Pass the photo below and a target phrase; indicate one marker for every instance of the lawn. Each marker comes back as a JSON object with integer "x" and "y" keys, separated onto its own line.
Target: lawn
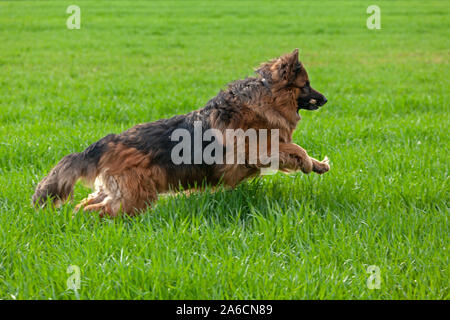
{"x": 385, "y": 128}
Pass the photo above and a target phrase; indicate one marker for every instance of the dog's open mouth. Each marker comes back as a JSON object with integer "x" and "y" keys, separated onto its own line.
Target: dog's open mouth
{"x": 311, "y": 104}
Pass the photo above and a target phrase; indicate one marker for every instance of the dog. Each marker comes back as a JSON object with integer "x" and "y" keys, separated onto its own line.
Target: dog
{"x": 130, "y": 169}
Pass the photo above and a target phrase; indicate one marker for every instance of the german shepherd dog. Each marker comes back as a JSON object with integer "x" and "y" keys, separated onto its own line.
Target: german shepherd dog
{"x": 128, "y": 170}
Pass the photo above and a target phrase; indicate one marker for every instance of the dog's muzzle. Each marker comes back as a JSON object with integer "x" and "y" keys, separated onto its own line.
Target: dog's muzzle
{"x": 312, "y": 101}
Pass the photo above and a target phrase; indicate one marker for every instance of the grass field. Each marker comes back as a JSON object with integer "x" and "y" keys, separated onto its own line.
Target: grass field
{"x": 385, "y": 201}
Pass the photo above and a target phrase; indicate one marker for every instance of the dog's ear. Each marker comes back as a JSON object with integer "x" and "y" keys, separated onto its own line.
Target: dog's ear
{"x": 292, "y": 57}
{"x": 286, "y": 67}
{"x": 282, "y": 70}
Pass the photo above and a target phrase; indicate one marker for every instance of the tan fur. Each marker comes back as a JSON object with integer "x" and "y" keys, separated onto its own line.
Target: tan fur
{"x": 127, "y": 180}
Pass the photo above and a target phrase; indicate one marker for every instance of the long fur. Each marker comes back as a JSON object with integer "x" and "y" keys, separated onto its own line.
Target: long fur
{"x": 128, "y": 170}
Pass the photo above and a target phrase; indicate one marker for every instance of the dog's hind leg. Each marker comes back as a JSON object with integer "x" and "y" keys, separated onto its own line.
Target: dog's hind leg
{"x": 139, "y": 191}
{"x": 128, "y": 182}
{"x": 130, "y": 192}
{"x": 92, "y": 199}
{"x": 96, "y": 197}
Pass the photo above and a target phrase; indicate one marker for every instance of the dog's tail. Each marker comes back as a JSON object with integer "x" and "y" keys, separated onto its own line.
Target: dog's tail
{"x": 58, "y": 185}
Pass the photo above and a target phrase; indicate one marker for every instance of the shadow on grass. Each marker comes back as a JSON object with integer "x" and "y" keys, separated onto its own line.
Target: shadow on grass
{"x": 266, "y": 197}
{"x": 259, "y": 197}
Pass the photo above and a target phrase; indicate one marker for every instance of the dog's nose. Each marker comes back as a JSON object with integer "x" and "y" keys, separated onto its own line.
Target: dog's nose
{"x": 324, "y": 100}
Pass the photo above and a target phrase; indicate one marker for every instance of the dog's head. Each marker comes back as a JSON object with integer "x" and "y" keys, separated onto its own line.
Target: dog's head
{"x": 288, "y": 73}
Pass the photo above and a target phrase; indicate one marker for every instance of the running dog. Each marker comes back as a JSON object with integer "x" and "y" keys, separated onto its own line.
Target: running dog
{"x": 128, "y": 170}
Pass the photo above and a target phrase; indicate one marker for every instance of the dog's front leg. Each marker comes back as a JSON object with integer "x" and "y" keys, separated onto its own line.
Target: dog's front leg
{"x": 293, "y": 157}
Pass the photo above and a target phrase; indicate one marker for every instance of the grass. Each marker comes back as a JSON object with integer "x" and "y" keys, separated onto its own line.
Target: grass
{"x": 385, "y": 129}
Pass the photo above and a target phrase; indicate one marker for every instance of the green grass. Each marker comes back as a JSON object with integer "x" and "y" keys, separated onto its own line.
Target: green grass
{"x": 385, "y": 129}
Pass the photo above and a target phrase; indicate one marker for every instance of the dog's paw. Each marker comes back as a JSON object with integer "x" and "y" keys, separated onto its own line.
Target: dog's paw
{"x": 322, "y": 166}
